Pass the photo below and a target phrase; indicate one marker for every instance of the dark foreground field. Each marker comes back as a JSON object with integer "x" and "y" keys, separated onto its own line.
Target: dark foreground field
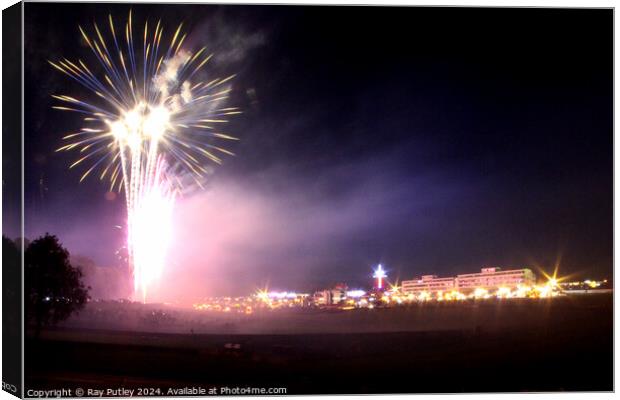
{"x": 545, "y": 345}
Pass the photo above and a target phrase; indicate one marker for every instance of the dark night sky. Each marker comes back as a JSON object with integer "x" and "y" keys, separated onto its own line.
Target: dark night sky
{"x": 432, "y": 140}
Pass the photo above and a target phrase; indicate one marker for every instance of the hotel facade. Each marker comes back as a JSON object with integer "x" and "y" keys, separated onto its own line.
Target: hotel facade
{"x": 487, "y": 278}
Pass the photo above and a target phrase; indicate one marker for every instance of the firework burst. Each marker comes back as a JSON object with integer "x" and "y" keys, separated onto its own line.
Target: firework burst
{"x": 148, "y": 122}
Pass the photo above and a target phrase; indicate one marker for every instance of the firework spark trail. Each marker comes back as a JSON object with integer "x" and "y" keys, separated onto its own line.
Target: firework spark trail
{"x": 147, "y": 125}
{"x": 150, "y": 236}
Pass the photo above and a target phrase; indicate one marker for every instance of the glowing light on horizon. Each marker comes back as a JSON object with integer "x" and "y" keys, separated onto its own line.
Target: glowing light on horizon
{"x": 424, "y": 296}
{"x": 379, "y": 274}
{"x": 285, "y": 295}
{"x": 394, "y": 288}
{"x": 504, "y": 292}
{"x": 356, "y": 293}
{"x": 481, "y": 293}
{"x": 147, "y": 128}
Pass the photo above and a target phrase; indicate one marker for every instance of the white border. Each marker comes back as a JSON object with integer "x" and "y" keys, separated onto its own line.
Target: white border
{"x": 480, "y": 3}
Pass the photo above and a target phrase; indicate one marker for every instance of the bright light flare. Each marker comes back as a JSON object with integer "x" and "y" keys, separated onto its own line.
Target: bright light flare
{"x": 356, "y": 293}
{"x": 150, "y": 220}
{"x": 481, "y": 293}
{"x": 156, "y": 122}
{"x": 424, "y": 296}
{"x": 523, "y": 291}
{"x": 504, "y": 293}
{"x": 379, "y": 274}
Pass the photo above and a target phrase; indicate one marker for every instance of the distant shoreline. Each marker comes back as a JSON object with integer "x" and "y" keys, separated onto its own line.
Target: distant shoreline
{"x": 491, "y": 314}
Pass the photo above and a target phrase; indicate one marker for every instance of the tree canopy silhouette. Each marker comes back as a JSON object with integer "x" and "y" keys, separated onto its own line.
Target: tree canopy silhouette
{"x": 53, "y": 287}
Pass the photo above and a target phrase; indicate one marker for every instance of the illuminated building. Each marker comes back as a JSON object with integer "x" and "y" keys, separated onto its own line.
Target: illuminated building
{"x": 487, "y": 278}
{"x": 339, "y": 293}
{"x": 492, "y": 278}
{"x": 428, "y": 283}
{"x": 331, "y": 296}
{"x": 322, "y": 297}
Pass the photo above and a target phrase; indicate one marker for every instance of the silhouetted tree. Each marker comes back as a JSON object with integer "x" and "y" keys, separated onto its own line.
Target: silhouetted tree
{"x": 53, "y": 287}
